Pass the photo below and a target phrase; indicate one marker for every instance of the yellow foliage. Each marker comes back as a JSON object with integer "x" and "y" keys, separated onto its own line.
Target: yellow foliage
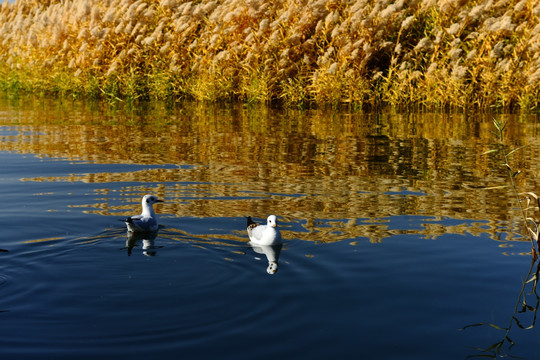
{"x": 436, "y": 54}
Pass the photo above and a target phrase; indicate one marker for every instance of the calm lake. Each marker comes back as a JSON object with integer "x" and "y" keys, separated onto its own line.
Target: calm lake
{"x": 393, "y": 247}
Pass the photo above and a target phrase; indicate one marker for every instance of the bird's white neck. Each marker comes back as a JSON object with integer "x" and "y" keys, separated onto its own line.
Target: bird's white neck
{"x": 147, "y": 210}
{"x": 270, "y": 230}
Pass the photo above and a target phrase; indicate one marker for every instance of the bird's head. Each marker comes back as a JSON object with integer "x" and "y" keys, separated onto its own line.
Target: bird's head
{"x": 272, "y": 221}
{"x": 150, "y": 200}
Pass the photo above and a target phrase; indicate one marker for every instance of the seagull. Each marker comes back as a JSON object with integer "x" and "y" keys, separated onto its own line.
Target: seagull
{"x": 263, "y": 234}
{"x": 147, "y": 221}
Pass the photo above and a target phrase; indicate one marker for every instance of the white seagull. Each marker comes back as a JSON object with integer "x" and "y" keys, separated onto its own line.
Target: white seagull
{"x": 264, "y": 234}
{"x": 147, "y": 221}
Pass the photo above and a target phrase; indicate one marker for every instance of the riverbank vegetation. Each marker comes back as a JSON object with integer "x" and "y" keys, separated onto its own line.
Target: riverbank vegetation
{"x": 434, "y": 54}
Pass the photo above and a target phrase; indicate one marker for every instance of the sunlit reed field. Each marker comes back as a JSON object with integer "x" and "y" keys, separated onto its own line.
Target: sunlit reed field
{"x": 425, "y": 53}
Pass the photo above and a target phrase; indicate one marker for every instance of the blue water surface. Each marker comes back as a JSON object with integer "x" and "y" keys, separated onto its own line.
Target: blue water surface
{"x": 71, "y": 285}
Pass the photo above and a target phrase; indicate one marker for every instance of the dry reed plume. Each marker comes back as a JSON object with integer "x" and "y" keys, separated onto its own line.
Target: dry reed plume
{"x": 437, "y": 54}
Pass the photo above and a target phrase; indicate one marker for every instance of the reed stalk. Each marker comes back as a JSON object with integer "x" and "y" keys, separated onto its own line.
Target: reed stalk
{"x": 435, "y": 54}
{"x": 531, "y": 224}
{"x": 523, "y": 307}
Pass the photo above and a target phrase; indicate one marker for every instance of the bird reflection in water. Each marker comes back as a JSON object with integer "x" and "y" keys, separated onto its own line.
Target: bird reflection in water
{"x": 272, "y": 254}
{"x": 148, "y": 242}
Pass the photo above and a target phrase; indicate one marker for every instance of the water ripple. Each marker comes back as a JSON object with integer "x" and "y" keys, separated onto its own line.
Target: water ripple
{"x": 3, "y": 280}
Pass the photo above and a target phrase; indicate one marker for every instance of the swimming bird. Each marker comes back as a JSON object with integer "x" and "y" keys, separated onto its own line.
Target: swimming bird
{"x": 147, "y": 221}
{"x": 264, "y": 234}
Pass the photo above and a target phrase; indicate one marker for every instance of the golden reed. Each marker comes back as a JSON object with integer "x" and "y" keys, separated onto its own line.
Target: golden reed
{"x": 432, "y": 54}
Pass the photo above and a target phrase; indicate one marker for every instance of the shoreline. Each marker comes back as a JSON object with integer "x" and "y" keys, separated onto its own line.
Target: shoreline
{"x": 433, "y": 55}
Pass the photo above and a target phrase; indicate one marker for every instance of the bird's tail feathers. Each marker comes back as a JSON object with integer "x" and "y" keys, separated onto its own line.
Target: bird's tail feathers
{"x": 250, "y": 221}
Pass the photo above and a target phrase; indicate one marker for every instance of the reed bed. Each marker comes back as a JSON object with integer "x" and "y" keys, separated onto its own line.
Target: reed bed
{"x": 433, "y": 54}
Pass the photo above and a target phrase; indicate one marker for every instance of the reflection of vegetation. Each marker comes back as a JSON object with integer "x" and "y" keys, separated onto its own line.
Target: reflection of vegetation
{"x": 358, "y": 170}
{"x": 531, "y": 222}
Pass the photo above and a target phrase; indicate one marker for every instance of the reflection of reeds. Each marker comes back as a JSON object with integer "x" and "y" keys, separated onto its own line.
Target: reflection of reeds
{"x": 531, "y": 214}
{"x": 529, "y": 205}
{"x": 432, "y": 53}
{"x": 301, "y": 165}
{"x": 530, "y": 222}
